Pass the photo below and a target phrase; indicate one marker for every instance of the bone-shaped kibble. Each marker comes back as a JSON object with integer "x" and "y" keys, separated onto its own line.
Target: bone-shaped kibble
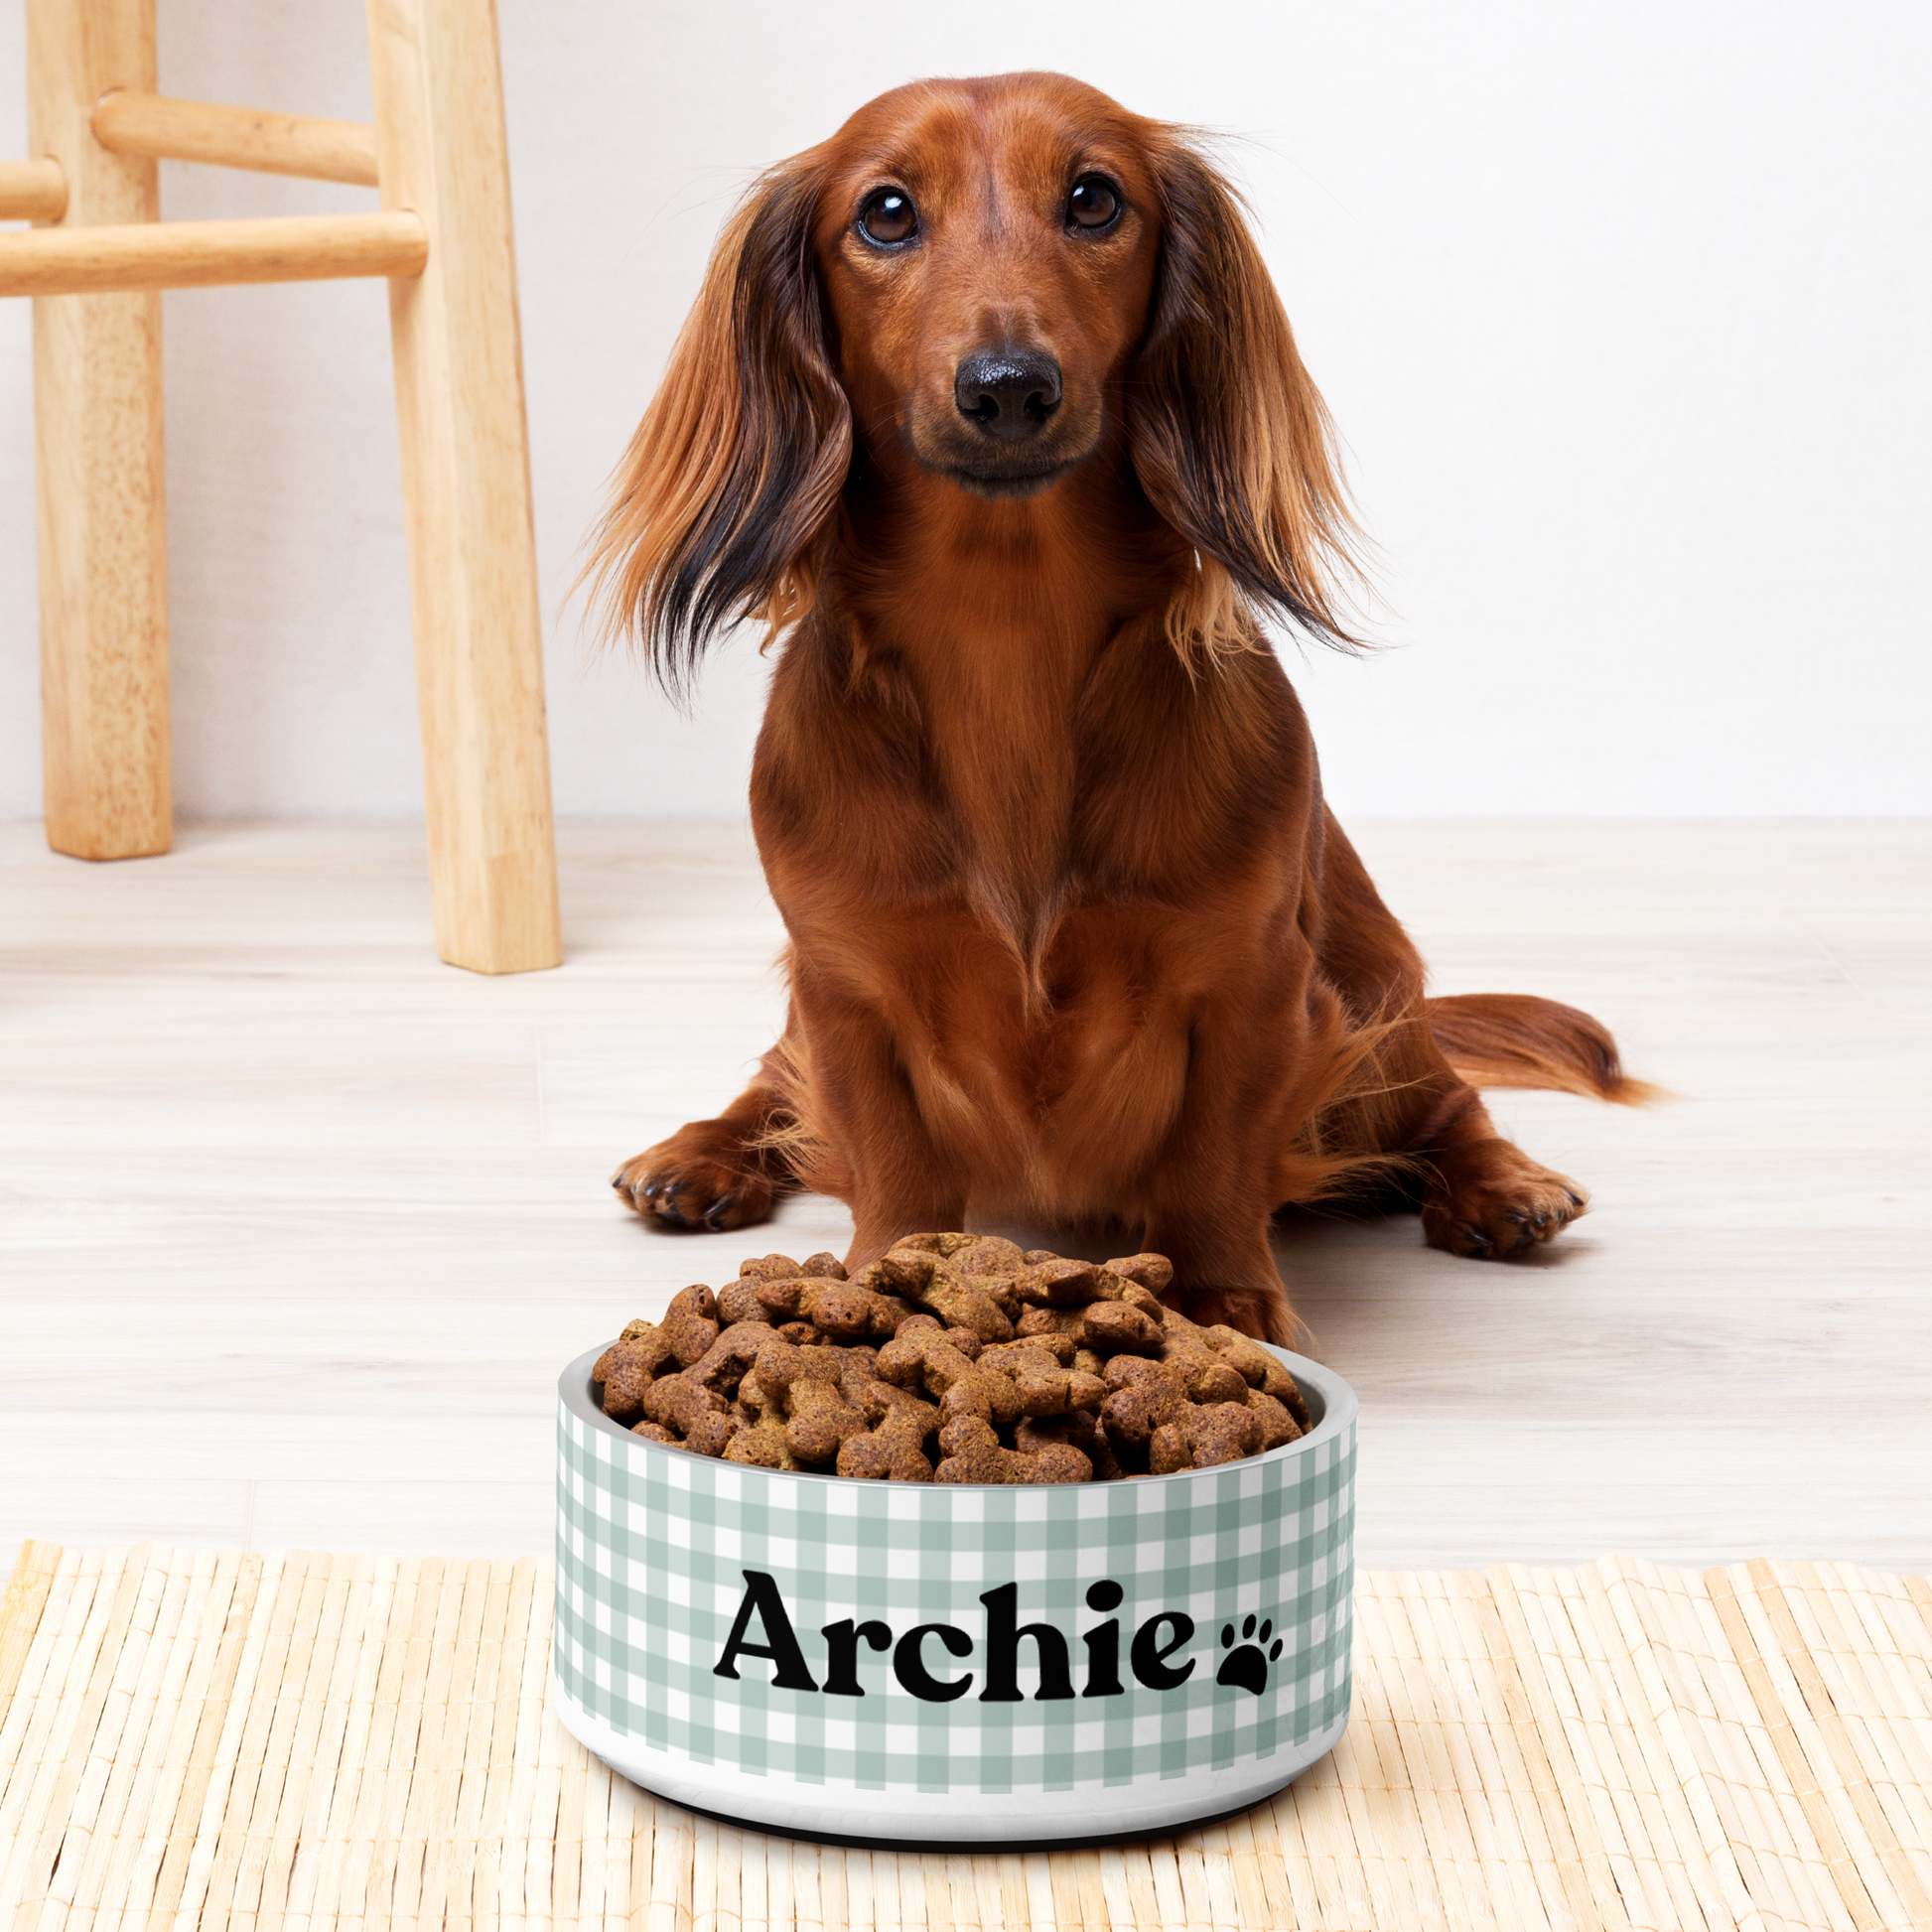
{"x": 690, "y": 1323}
{"x": 924, "y": 1360}
{"x": 1061, "y": 1329}
{"x": 1044, "y": 1386}
{"x": 964, "y": 1339}
{"x": 845, "y": 1310}
{"x": 682, "y": 1403}
{"x": 1061, "y": 1284}
{"x": 993, "y": 1265}
{"x": 1259, "y": 1370}
{"x": 878, "y": 1398}
{"x": 1036, "y": 1322}
{"x": 858, "y": 1376}
{"x": 1079, "y": 1429}
{"x": 942, "y": 1245}
{"x": 760, "y": 1441}
{"x": 768, "y": 1268}
{"x": 990, "y": 1257}
{"x": 925, "y": 1279}
{"x": 1053, "y": 1344}
{"x": 1154, "y": 1273}
{"x": 1061, "y": 1332}
{"x": 1258, "y": 1367}
{"x": 729, "y": 1359}
{"x": 757, "y": 1409}
{"x": 1207, "y": 1375}
{"x": 629, "y": 1367}
{"x": 698, "y": 1426}
{"x": 974, "y": 1454}
{"x": 1202, "y": 1437}
{"x": 1128, "y": 1371}
{"x": 894, "y": 1311}
{"x": 1145, "y": 1396}
{"x": 859, "y": 1371}
{"x": 1277, "y": 1424}
{"x": 818, "y": 1417}
{"x": 895, "y": 1446}
{"x": 755, "y": 1398}
{"x": 1120, "y": 1328}
{"x": 739, "y": 1301}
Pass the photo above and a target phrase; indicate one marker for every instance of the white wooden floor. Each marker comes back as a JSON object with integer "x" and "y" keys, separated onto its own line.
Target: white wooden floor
{"x": 297, "y": 1225}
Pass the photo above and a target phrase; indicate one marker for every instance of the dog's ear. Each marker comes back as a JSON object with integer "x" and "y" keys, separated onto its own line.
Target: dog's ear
{"x": 722, "y": 504}
{"x": 1230, "y": 438}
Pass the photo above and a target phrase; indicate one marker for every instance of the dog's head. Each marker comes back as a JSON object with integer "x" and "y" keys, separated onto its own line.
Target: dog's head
{"x": 988, "y": 250}
{"x": 977, "y": 286}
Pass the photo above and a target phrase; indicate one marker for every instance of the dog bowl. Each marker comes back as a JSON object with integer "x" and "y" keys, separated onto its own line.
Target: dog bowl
{"x": 951, "y": 1664}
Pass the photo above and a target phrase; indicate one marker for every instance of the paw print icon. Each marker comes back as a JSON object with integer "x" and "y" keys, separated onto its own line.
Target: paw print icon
{"x": 1246, "y": 1663}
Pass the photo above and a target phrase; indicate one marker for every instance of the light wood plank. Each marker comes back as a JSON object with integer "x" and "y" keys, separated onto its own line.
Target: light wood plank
{"x": 349, "y": 1212}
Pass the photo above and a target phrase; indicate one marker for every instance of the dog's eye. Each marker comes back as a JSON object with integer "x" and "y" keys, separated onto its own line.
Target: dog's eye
{"x": 889, "y": 217}
{"x": 1094, "y": 203}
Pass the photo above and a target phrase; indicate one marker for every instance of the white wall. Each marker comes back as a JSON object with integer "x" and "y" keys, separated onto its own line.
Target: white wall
{"x": 1619, "y": 306}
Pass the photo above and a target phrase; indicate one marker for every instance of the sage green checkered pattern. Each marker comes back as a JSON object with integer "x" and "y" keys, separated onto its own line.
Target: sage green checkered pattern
{"x": 652, "y": 1547}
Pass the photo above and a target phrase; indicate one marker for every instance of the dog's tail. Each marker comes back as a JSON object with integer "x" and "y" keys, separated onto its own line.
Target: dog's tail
{"x": 1514, "y": 1040}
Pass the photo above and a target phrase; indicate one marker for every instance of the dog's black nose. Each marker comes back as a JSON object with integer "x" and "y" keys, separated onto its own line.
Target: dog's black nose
{"x": 1009, "y": 392}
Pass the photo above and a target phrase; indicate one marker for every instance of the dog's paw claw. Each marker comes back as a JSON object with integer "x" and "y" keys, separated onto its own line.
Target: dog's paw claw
{"x": 701, "y": 1191}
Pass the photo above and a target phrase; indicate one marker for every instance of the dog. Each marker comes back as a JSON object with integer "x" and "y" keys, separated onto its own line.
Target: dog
{"x": 989, "y": 411}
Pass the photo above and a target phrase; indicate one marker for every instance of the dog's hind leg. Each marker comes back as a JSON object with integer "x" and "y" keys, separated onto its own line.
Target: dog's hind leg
{"x": 1479, "y": 1194}
{"x": 1487, "y": 1198}
{"x": 716, "y": 1174}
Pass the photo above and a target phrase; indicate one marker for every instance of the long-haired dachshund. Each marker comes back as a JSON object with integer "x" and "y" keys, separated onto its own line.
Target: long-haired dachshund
{"x": 989, "y": 408}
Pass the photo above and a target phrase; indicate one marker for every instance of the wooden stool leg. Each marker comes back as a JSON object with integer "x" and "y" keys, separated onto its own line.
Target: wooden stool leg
{"x": 97, "y": 414}
{"x": 439, "y": 118}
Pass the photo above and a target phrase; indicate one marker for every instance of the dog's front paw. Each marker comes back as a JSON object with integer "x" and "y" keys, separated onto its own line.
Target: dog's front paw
{"x": 1490, "y": 1200}
{"x": 689, "y": 1183}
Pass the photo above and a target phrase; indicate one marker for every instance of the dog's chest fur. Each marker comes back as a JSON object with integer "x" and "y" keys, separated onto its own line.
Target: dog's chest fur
{"x": 1018, "y": 840}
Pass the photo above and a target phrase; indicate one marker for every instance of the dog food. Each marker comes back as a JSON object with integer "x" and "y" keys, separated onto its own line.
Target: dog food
{"x": 953, "y": 1358}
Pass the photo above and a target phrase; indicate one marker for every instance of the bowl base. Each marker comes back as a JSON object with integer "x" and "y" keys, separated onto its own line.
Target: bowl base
{"x": 1086, "y": 1841}
{"x": 1033, "y": 1821}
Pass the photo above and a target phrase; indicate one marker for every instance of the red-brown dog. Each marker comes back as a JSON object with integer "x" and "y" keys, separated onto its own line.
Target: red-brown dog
{"x": 990, "y": 405}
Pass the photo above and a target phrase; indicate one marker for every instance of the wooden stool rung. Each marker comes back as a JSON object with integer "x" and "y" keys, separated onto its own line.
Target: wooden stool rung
{"x": 205, "y": 255}
{"x": 129, "y": 122}
{"x": 32, "y": 191}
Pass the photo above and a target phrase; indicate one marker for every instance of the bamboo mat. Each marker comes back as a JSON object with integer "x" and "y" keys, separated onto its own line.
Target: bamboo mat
{"x": 191, "y": 1739}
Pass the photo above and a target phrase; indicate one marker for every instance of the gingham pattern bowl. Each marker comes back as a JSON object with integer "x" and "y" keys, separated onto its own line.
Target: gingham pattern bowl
{"x": 940, "y": 1663}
